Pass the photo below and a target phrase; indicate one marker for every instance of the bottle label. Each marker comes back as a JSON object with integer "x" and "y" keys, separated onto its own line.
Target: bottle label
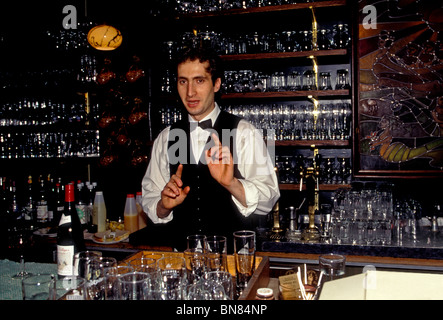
{"x": 42, "y": 213}
{"x": 64, "y": 219}
{"x": 65, "y": 256}
{"x": 29, "y": 213}
{"x": 81, "y": 211}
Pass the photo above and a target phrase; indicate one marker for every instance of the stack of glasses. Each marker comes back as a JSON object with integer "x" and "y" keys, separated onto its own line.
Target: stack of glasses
{"x": 200, "y": 274}
{"x": 362, "y": 217}
{"x": 330, "y": 121}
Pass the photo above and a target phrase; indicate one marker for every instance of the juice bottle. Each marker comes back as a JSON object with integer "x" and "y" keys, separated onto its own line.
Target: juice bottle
{"x": 130, "y": 214}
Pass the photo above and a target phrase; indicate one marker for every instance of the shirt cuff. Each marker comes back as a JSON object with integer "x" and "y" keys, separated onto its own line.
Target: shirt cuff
{"x": 152, "y": 213}
{"x": 251, "y": 196}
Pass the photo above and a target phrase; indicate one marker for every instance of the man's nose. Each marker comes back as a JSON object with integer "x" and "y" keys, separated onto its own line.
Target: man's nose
{"x": 190, "y": 90}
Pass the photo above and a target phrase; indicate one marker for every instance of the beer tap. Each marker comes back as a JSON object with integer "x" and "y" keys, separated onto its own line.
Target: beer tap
{"x": 293, "y": 233}
{"x": 311, "y": 177}
{"x": 276, "y": 231}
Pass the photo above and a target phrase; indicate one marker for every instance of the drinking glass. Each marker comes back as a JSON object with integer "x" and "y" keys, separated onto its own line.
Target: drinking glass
{"x": 86, "y": 255}
{"x": 332, "y": 265}
{"x": 197, "y": 241}
{"x": 153, "y": 255}
{"x": 106, "y": 262}
{"x": 244, "y": 256}
{"x": 309, "y": 80}
{"x": 219, "y": 278}
{"x": 325, "y": 81}
{"x": 143, "y": 264}
{"x": 92, "y": 270}
{"x": 323, "y": 40}
{"x": 305, "y": 40}
{"x": 68, "y": 288}
{"x": 171, "y": 277}
{"x": 293, "y": 81}
{"x": 36, "y": 287}
{"x": 20, "y": 238}
{"x": 195, "y": 261}
{"x": 216, "y": 256}
{"x": 342, "y": 80}
{"x": 111, "y": 276}
{"x": 326, "y": 220}
{"x": 136, "y": 286}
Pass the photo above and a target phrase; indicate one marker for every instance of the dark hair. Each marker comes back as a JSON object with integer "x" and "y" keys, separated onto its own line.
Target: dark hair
{"x": 215, "y": 67}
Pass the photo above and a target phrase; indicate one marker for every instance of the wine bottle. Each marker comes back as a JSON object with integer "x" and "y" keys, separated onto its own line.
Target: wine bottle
{"x": 81, "y": 205}
{"x": 69, "y": 236}
{"x": 30, "y": 211}
{"x": 42, "y": 205}
{"x": 59, "y": 203}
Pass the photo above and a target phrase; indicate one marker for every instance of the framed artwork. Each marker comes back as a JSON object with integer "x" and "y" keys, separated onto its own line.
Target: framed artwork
{"x": 399, "y": 100}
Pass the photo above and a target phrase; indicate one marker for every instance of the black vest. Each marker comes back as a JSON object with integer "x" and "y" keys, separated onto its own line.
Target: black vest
{"x": 208, "y": 209}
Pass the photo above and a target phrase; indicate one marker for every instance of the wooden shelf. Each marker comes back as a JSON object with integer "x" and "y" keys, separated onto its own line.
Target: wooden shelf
{"x": 265, "y": 9}
{"x": 286, "y": 94}
{"x": 284, "y": 55}
{"x": 323, "y": 187}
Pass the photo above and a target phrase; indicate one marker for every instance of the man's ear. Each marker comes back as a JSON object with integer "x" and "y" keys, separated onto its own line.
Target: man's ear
{"x": 217, "y": 84}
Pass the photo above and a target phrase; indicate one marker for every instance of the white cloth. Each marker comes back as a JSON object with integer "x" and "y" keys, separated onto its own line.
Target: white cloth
{"x": 254, "y": 164}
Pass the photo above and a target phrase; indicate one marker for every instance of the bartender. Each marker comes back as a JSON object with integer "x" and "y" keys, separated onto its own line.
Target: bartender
{"x": 210, "y": 172}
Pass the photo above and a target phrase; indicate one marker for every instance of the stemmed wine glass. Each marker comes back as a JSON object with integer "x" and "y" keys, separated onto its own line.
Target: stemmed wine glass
{"x": 19, "y": 239}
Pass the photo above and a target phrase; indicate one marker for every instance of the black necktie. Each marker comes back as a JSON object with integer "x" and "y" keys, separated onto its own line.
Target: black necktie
{"x": 205, "y": 124}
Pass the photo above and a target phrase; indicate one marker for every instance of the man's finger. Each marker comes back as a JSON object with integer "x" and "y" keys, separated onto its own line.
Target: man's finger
{"x": 217, "y": 141}
{"x": 179, "y": 171}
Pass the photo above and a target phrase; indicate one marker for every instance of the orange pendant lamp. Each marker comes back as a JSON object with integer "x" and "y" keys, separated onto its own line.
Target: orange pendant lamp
{"x": 105, "y": 37}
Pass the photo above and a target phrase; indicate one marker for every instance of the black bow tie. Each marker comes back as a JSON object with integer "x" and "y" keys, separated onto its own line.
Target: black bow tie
{"x": 205, "y": 124}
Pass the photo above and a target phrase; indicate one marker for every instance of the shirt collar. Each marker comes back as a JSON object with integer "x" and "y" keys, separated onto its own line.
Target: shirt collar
{"x": 213, "y": 115}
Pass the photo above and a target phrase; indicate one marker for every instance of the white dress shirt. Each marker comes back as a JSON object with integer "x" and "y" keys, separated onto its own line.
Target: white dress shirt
{"x": 254, "y": 164}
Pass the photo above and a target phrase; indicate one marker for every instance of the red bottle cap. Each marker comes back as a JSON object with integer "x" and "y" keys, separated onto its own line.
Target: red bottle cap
{"x": 130, "y": 195}
{"x": 69, "y": 193}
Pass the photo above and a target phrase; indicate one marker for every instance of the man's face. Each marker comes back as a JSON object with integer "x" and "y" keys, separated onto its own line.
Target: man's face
{"x": 196, "y": 89}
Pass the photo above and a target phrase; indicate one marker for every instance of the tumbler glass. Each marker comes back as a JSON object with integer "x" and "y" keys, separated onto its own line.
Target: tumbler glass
{"x": 309, "y": 80}
{"x": 171, "y": 278}
{"x": 68, "y": 288}
{"x": 36, "y": 287}
{"x": 136, "y": 286}
{"x": 325, "y": 81}
{"x": 342, "y": 81}
{"x": 332, "y": 265}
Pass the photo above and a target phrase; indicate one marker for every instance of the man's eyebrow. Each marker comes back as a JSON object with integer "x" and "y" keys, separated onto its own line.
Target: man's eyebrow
{"x": 193, "y": 78}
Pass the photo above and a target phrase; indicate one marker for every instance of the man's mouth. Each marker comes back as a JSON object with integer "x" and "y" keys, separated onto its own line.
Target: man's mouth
{"x": 192, "y": 103}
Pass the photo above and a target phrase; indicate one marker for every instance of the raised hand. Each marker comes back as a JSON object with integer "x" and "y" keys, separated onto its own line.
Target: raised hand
{"x": 220, "y": 162}
{"x": 221, "y": 166}
{"x": 172, "y": 194}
